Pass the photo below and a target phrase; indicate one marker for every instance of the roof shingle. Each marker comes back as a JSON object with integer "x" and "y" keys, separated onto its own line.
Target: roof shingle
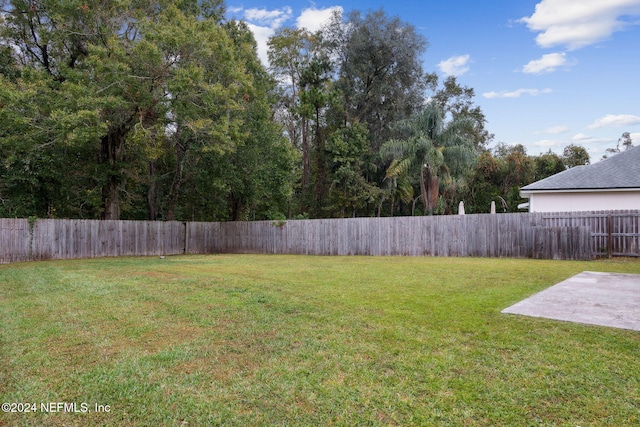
{"x": 617, "y": 172}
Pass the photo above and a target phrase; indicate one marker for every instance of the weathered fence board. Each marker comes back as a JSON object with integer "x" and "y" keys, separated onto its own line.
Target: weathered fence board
{"x": 201, "y": 237}
{"x": 15, "y": 239}
{"x": 67, "y": 239}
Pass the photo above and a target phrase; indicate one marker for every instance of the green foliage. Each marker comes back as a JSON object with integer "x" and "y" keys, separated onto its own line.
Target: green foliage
{"x": 624, "y": 140}
{"x": 499, "y": 175}
{"x": 575, "y": 155}
{"x": 162, "y": 110}
{"x": 548, "y": 164}
{"x": 144, "y": 101}
{"x": 434, "y": 150}
{"x": 381, "y": 75}
{"x": 457, "y": 101}
{"x": 362, "y": 73}
{"x": 351, "y": 192}
{"x": 40, "y": 133}
{"x": 291, "y": 53}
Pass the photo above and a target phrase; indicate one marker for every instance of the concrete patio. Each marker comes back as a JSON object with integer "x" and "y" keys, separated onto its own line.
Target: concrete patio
{"x": 605, "y": 299}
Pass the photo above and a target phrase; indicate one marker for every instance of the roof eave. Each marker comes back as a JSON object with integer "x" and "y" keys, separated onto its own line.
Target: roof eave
{"x": 526, "y": 192}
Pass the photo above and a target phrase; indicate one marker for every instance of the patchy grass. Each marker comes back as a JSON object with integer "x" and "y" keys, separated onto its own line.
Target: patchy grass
{"x": 307, "y": 341}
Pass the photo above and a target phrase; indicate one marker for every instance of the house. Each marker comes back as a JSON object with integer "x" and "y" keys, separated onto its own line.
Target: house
{"x": 610, "y": 184}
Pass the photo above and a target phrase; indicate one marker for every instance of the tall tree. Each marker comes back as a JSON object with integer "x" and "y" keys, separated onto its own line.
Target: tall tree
{"x": 499, "y": 175}
{"x": 547, "y": 164}
{"x": 380, "y": 70}
{"x": 624, "y": 143}
{"x": 455, "y": 101}
{"x": 259, "y": 170}
{"x": 203, "y": 94}
{"x": 300, "y": 61}
{"x": 118, "y": 88}
{"x": 575, "y": 155}
{"x": 431, "y": 148}
{"x": 315, "y": 98}
{"x": 291, "y": 52}
{"x": 350, "y": 190}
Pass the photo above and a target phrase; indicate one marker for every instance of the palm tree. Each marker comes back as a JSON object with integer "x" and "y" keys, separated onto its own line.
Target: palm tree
{"x": 431, "y": 148}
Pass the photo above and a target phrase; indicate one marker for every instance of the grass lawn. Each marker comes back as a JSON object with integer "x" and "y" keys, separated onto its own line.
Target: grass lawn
{"x": 253, "y": 340}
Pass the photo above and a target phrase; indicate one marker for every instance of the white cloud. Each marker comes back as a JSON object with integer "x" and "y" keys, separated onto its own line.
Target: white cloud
{"x": 455, "y": 66}
{"x": 235, "y": 9}
{"x": 269, "y": 18}
{"x": 579, "y": 23}
{"x": 548, "y": 63}
{"x": 547, "y": 143}
{"x": 581, "y": 138}
{"x": 262, "y": 34}
{"x": 313, "y": 19}
{"x": 515, "y": 93}
{"x": 555, "y": 130}
{"x": 264, "y": 22}
{"x": 615, "y": 120}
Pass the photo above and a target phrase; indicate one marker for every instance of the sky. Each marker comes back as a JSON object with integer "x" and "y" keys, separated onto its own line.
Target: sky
{"x": 546, "y": 73}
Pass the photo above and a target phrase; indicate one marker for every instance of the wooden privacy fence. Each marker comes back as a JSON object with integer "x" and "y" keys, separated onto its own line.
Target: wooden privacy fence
{"x": 504, "y": 235}
{"x": 582, "y": 235}
{"x": 68, "y": 239}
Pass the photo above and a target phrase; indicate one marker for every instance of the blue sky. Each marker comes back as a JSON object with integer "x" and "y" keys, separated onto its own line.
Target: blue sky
{"x": 546, "y": 73}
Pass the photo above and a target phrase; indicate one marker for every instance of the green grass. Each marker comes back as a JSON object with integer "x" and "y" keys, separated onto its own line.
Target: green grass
{"x": 307, "y": 341}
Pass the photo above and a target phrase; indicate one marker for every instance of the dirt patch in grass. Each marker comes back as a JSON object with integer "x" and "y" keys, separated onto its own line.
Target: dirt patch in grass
{"x": 109, "y": 345}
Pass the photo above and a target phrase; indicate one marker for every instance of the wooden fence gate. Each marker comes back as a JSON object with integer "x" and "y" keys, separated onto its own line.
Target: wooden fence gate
{"x": 613, "y": 233}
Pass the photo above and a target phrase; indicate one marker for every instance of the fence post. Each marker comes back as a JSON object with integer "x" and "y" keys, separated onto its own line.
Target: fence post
{"x": 609, "y": 237}
{"x": 186, "y": 236}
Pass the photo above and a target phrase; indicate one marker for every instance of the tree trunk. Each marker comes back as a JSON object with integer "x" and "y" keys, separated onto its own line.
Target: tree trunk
{"x": 110, "y": 199}
{"x": 111, "y": 145}
{"x": 172, "y": 198}
{"x": 151, "y": 194}
{"x": 320, "y": 165}
{"x": 305, "y": 164}
{"x": 393, "y": 205}
{"x": 239, "y": 209}
{"x": 178, "y": 180}
{"x": 434, "y": 192}
{"x": 423, "y": 190}
{"x": 429, "y": 184}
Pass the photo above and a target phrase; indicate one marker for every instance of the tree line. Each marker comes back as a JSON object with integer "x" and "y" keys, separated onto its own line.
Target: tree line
{"x": 162, "y": 110}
